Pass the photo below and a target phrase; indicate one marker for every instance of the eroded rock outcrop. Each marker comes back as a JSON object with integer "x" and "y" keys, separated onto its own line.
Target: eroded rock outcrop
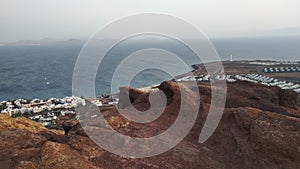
{"x": 20, "y": 123}
{"x": 260, "y": 128}
{"x": 272, "y": 139}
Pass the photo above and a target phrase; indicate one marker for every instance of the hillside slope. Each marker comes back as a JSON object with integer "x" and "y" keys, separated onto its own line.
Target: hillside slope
{"x": 260, "y": 128}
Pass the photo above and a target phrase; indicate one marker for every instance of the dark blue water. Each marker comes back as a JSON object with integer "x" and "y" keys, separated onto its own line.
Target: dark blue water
{"x": 46, "y": 71}
{"x": 25, "y": 71}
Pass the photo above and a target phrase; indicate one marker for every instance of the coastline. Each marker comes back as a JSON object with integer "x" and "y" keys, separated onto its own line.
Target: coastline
{"x": 47, "y": 111}
{"x": 268, "y": 115}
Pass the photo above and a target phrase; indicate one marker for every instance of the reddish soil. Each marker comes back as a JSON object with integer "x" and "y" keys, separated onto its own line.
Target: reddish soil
{"x": 260, "y": 128}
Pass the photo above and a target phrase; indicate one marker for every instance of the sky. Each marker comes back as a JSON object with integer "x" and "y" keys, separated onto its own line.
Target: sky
{"x": 64, "y": 19}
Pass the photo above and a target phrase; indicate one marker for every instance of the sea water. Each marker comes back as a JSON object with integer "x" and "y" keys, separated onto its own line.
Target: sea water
{"x": 46, "y": 71}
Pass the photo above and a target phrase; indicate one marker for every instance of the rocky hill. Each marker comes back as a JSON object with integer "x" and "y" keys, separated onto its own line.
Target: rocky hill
{"x": 260, "y": 128}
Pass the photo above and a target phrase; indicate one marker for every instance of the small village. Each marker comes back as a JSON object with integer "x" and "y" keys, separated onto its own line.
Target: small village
{"x": 281, "y": 69}
{"x": 253, "y": 77}
{"x": 48, "y": 112}
{"x": 256, "y": 78}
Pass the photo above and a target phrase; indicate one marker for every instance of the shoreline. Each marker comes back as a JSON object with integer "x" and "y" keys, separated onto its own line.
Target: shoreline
{"x": 195, "y": 69}
{"x": 47, "y": 111}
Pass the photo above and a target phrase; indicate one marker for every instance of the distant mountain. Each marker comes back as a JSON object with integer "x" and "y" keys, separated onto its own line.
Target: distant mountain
{"x": 284, "y": 32}
{"x": 44, "y": 42}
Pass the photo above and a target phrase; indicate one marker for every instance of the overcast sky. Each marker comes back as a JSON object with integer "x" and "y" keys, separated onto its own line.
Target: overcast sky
{"x": 36, "y": 19}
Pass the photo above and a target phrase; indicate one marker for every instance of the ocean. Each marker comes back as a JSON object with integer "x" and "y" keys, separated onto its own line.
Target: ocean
{"x": 46, "y": 71}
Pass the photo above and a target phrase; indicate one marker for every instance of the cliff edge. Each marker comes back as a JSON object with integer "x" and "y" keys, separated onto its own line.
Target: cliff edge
{"x": 260, "y": 128}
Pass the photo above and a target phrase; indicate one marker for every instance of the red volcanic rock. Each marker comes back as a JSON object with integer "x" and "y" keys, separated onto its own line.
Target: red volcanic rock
{"x": 6, "y": 123}
{"x": 68, "y": 125}
{"x": 288, "y": 98}
{"x": 170, "y": 89}
{"x": 56, "y": 155}
{"x": 27, "y": 165}
{"x": 245, "y": 116}
{"x": 128, "y": 95}
{"x": 260, "y": 128}
{"x": 124, "y": 97}
{"x": 19, "y": 145}
{"x": 269, "y": 139}
{"x": 137, "y": 96}
{"x": 248, "y": 94}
